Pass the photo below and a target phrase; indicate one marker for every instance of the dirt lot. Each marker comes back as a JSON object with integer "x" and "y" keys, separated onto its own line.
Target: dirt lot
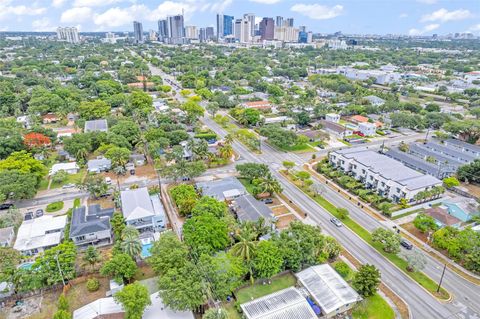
{"x": 414, "y": 231}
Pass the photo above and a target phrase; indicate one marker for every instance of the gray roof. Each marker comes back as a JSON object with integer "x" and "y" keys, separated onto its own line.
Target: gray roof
{"x": 338, "y": 128}
{"x": 284, "y": 304}
{"x": 5, "y": 233}
{"x": 250, "y": 209}
{"x": 99, "y": 163}
{"x": 451, "y": 152}
{"x": 374, "y": 99}
{"x": 463, "y": 145}
{"x": 419, "y": 164}
{"x": 420, "y": 149}
{"x": 390, "y": 168}
{"x": 96, "y": 125}
{"x": 95, "y": 220}
{"x": 137, "y": 203}
{"x": 217, "y": 188}
{"x": 327, "y": 288}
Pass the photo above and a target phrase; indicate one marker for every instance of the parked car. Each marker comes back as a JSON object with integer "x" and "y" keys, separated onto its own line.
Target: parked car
{"x": 336, "y": 222}
{"x": 267, "y": 200}
{"x": 39, "y": 212}
{"x": 68, "y": 186}
{"x": 108, "y": 180}
{"x": 28, "y": 216}
{"x": 5, "y": 206}
{"x": 406, "y": 244}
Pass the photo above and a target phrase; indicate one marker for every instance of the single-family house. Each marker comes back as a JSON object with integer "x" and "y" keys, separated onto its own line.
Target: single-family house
{"x": 462, "y": 208}
{"x": 328, "y": 290}
{"x": 137, "y": 159}
{"x": 367, "y": 129}
{"x": 37, "y": 235}
{"x": 375, "y": 100}
{"x": 247, "y": 208}
{"x": 69, "y": 168}
{"x": 50, "y": 118}
{"x": 98, "y": 165}
{"x": 6, "y": 236}
{"x": 92, "y": 226}
{"x": 96, "y": 126}
{"x": 442, "y": 217}
{"x": 225, "y": 189}
{"x": 336, "y": 128}
{"x": 259, "y": 105}
{"x": 332, "y": 117}
{"x": 143, "y": 211}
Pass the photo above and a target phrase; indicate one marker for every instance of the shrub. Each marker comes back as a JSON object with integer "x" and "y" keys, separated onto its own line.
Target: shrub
{"x": 343, "y": 269}
{"x": 93, "y": 284}
{"x": 206, "y": 136}
{"x": 54, "y": 207}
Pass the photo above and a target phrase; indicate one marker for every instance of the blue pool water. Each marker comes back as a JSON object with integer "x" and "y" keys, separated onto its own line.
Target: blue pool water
{"x": 26, "y": 266}
{"x": 146, "y": 250}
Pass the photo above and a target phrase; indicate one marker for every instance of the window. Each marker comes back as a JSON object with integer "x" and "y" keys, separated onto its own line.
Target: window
{"x": 80, "y": 238}
{"x": 398, "y": 190}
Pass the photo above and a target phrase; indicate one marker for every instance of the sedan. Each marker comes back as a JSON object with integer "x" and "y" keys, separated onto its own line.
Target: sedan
{"x": 39, "y": 212}
{"x": 336, "y": 222}
{"x": 5, "y": 206}
{"x": 406, "y": 244}
{"x": 267, "y": 200}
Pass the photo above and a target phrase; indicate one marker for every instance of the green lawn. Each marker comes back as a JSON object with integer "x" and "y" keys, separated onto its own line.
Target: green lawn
{"x": 374, "y": 307}
{"x": 259, "y": 290}
{"x": 71, "y": 179}
{"x": 247, "y": 185}
{"x": 418, "y": 276}
{"x": 54, "y": 207}
{"x": 300, "y": 148}
{"x": 43, "y": 184}
{"x": 231, "y": 311}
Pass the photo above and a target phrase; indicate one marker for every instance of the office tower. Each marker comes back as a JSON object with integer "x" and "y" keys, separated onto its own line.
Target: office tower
{"x": 250, "y": 17}
{"x": 302, "y": 37}
{"x": 242, "y": 30}
{"x": 289, "y": 22}
{"x": 138, "y": 32}
{"x": 176, "y": 30}
{"x": 309, "y": 37}
{"x": 286, "y": 34}
{"x": 152, "y": 35}
{"x": 220, "y": 26}
{"x": 267, "y": 29}
{"x": 191, "y": 32}
{"x": 302, "y": 28}
{"x": 69, "y": 34}
{"x": 202, "y": 35}
{"x": 209, "y": 33}
{"x": 279, "y": 21}
{"x": 224, "y": 25}
{"x": 162, "y": 30}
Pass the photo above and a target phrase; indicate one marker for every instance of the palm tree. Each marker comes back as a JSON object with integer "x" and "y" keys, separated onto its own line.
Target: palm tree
{"x": 131, "y": 246}
{"x": 245, "y": 249}
{"x": 270, "y": 185}
{"x": 226, "y": 151}
{"x": 81, "y": 154}
{"x": 228, "y": 139}
{"x": 91, "y": 257}
{"x": 129, "y": 232}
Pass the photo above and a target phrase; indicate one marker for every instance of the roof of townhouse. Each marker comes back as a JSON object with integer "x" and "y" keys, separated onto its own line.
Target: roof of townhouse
{"x": 451, "y": 151}
{"x": 329, "y": 290}
{"x": 419, "y": 148}
{"x": 137, "y": 203}
{"x": 462, "y": 144}
{"x": 283, "y": 304}
{"x": 248, "y": 208}
{"x": 221, "y": 187}
{"x": 37, "y": 232}
{"x": 91, "y": 221}
{"x": 390, "y": 168}
{"x": 442, "y": 215}
{"x": 415, "y": 162}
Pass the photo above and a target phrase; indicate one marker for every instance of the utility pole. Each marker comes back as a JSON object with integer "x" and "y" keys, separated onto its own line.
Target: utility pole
{"x": 441, "y": 278}
{"x": 59, "y": 269}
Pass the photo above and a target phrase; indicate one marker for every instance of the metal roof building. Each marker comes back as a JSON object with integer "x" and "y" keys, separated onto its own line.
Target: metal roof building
{"x": 222, "y": 189}
{"x": 248, "y": 208}
{"x": 284, "y": 304}
{"x": 328, "y": 289}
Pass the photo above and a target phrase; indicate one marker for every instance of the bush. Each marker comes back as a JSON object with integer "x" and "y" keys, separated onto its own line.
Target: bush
{"x": 206, "y": 136}
{"x": 54, "y": 207}
{"x": 343, "y": 269}
{"x": 93, "y": 284}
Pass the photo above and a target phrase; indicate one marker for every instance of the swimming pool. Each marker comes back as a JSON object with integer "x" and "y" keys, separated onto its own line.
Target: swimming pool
{"x": 146, "y": 245}
{"x": 26, "y": 266}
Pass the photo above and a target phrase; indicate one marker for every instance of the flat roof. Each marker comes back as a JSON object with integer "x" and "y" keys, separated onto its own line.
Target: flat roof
{"x": 221, "y": 188}
{"x": 329, "y": 290}
{"x": 284, "y": 304}
{"x": 40, "y": 232}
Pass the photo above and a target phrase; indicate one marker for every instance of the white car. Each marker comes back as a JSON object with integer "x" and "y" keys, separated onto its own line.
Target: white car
{"x": 108, "y": 180}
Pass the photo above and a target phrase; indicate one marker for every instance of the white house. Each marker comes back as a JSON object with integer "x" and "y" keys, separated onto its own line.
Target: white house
{"x": 6, "y": 236}
{"x": 37, "y": 235}
{"x": 375, "y": 100}
{"x": 332, "y": 117}
{"x": 70, "y": 168}
{"x": 142, "y": 211}
{"x": 382, "y": 174}
{"x": 367, "y": 129}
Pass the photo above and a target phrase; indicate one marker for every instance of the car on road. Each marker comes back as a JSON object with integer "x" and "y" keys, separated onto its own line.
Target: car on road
{"x": 68, "y": 186}
{"x": 39, "y": 212}
{"x": 28, "y": 216}
{"x": 405, "y": 243}
{"x": 267, "y": 200}
{"x": 6, "y": 206}
{"x": 336, "y": 222}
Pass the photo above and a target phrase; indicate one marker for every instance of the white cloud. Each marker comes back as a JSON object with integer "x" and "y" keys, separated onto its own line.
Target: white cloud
{"x": 116, "y": 17}
{"x": 57, "y": 3}
{"x": 317, "y": 11}
{"x": 76, "y": 15}
{"x": 42, "y": 24}
{"x": 7, "y": 10}
{"x": 425, "y": 29}
{"x": 474, "y": 28}
{"x": 94, "y": 3}
{"x": 220, "y": 6}
{"x": 266, "y": 1}
{"x": 443, "y": 15}
{"x": 428, "y": 1}
{"x": 403, "y": 15}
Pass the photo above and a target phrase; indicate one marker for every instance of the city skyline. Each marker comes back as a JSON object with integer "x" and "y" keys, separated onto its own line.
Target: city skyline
{"x": 410, "y": 17}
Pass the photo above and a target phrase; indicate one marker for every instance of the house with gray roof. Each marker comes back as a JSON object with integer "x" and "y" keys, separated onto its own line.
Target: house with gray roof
{"x": 143, "y": 211}
{"x": 96, "y": 126}
{"x": 98, "y": 165}
{"x": 225, "y": 189}
{"x": 91, "y": 226}
{"x": 375, "y": 100}
{"x": 248, "y": 208}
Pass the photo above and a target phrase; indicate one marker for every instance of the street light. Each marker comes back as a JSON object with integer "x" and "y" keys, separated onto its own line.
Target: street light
{"x": 441, "y": 278}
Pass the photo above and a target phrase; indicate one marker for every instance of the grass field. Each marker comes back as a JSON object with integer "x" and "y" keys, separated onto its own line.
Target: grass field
{"x": 374, "y": 307}
{"x": 71, "y": 179}
{"x": 245, "y": 182}
{"x": 259, "y": 290}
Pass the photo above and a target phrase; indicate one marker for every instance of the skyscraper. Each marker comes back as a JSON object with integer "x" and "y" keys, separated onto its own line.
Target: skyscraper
{"x": 289, "y": 22}
{"x": 279, "y": 21}
{"x": 267, "y": 28}
{"x": 176, "y": 30}
{"x": 209, "y": 33}
{"x": 220, "y": 26}
{"x": 138, "y": 31}
{"x": 191, "y": 32}
{"x": 250, "y": 17}
{"x": 227, "y": 25}
{"x": 242, "y": 30}
{"x": 162, "y": 30}
{"x": 69, "y": 34}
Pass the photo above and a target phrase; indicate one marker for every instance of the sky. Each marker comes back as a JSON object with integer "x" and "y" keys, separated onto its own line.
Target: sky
{"x": 414, "y": 17}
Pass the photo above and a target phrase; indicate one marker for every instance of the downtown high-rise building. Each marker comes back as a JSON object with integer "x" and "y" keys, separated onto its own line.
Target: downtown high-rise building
{"x": 224, "y": 25}
{"x": 191, "y": 32}
{"x": 176, "y": 29}
{"x": 137, "y": 32}
{"x": 267, "y": 29}
{"x": 279, "y": 21}
{"x": 286, "y": 34}
{"x": 289, "y": 22}
{"x": 210, "y": 32}
{"x": 69, "y": 34}
{"x": 243, "y": 30}
{"x": 250, "y": 17}
{"x": 162, "y": 30}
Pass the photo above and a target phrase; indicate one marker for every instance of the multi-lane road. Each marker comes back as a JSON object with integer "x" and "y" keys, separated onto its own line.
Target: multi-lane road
{"x": 465, "y": 301}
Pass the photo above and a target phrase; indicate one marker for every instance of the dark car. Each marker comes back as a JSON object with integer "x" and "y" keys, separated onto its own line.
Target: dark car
{"x": 5, "y": 206}
{"x": 406, "y": 244}
{"x": 336, "y": 222}
{"x": 28, "y": 216}
{"x": 39, "y": 212}
{"x": 267, "y": 200}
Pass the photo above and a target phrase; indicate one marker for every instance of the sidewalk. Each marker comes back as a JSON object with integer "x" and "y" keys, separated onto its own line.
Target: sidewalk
{"x": 175, "y": 221}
